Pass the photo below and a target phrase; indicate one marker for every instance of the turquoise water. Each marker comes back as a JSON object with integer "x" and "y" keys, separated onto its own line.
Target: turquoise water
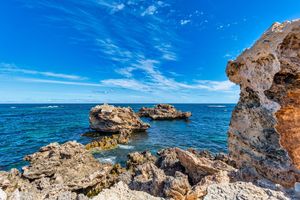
{"x": 25, "y": 128}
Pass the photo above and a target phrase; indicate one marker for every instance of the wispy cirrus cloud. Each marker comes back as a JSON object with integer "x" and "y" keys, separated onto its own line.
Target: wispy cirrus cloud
{"x": 12, "y": 68}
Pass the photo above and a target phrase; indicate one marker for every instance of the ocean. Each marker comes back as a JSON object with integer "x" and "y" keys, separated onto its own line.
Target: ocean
{"x": 24, "y": 128}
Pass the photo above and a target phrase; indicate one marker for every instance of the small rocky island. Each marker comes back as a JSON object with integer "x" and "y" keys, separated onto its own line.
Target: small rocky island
{"x": 163, "y": 112}
{"x": 263, "y": 141}
{"x": 118, "y": 120}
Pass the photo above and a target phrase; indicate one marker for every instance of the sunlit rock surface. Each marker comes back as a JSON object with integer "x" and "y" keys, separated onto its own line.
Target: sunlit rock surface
{"x": 264, "y": 131}
{"x": 163, "y": 112}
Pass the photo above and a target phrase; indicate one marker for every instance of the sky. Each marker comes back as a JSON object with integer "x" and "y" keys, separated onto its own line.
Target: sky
{"x": 128, "y": 51}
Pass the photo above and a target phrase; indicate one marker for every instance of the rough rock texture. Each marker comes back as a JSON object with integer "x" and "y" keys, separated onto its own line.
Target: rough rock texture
{"x": 59, "y": 172}
{"x": 3, "y": 195}
{"x": 242, "y": 190}
{"x": 163, "y": 112}
{"x": 107, "y": 118}
{"x": 120, "y": 191}
{"x": 265, "y": 126}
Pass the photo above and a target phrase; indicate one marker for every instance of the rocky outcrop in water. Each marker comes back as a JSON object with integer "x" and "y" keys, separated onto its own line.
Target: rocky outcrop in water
{"x": 163, "y": 112}
{"x": 107, "y": 118}
{"x": 264, "y": 133}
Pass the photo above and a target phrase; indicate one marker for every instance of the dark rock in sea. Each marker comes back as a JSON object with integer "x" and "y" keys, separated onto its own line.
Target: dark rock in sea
{"x": 264, "y": 132}
{"x": 163, "y": 112}
{"x": 107, "y": 118}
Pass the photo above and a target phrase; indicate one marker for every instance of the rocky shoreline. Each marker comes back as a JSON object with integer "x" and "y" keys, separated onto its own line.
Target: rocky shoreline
{"x": 263, "y": 159}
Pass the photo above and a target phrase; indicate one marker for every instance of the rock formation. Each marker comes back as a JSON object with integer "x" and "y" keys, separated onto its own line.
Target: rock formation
{"x": 163, "y": 112}
{"x": 120, "y": 191}
{"x": 107, "y": 118}
{"x": 59, "y": 172}
{"x": 264, "y": 132}
{"x": 242, "y": 190}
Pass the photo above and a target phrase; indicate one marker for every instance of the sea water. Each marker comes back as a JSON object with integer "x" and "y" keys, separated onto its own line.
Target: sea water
{"x": 24, "y": 128}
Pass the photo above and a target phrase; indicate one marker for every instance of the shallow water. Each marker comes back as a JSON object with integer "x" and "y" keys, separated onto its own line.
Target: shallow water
{"x": 25, "y": 128}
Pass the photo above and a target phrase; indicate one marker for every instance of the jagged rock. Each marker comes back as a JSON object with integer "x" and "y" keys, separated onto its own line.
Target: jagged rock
{"x": 177, "y": 187}
{"x": 120, "y": 191}
{"x": 264, "y": 131}
{"x": 168, "y": 161}
{"x": 199, "y": 167}
{"x": 107, "y": 118}
{"x": 163, "y": 112}
{"x": 139, "y": 158}
{"x": 242, "y": 190}
{"x": 69, "y": 164}
{"x": 149, "y": 178}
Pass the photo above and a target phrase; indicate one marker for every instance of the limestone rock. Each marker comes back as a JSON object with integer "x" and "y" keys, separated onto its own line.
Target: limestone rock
{"x": 199, "y": 167}
{"x": 169, "y": 162}
{"x": 107, "y": 118}
{"x": 163, "y": 112}
{"x": 120, "y": 191}
{"x": 264, "y": 131}
{"x": 242, "y": 190}
{"x": 177, "y": 187}
{"x": 69, "y": 164}
{"x": 149, "y": 178}
{"x": 139, "y": 158}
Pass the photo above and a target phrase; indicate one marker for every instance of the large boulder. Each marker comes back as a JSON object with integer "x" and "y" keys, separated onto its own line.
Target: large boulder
{"x": 163, "y": 112}
{"x": 107, "y": 118}
{"x": 264, "y": 131}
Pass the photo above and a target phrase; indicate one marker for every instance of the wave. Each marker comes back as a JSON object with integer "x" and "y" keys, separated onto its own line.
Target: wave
{"x": 216, "y": 106}
{"x": 13, "y": 107}
{"x": 121, "y": 146}
{"x": 109, "y": 159}
{"x": 49, "y": 107}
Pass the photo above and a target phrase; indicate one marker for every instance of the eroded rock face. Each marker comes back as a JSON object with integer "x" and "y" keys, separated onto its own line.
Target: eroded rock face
{"x": 59, "y": 172}
{"x": 163, "y": 112}
{"x": 107, "y": 118}
{"x": 264, "y": 131}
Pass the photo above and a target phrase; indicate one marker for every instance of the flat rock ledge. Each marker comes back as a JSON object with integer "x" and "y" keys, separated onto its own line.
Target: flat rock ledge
{"x": 163, "y": 112}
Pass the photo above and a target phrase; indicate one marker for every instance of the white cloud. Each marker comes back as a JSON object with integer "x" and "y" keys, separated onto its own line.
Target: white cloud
{"x": 150, "y": 10}
{"x": 126, "y": 83}
{"x": 184, "y": 21}
{"x": 36, "y": 80}
{"x": 7, "y": 67}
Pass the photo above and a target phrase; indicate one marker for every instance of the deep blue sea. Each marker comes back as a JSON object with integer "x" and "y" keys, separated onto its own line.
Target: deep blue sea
{"x": 26, "y": 128}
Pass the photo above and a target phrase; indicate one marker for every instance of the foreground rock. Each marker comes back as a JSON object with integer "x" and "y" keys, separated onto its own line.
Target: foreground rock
{"x": 264, "y": 132}
{"x": 242, "y": 190}
{"x": 107, "y": 118}
{"x": 163, "y": 112}
{"x": 59, "y": 172}
{"x": 120, "y": 191}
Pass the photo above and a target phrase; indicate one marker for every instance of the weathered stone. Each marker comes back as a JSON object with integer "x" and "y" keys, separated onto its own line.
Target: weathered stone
{"x": 264, "y": 131}
{"x": 242, "y": 190}
{"x": 149, "y": 178}
{"x": 139, "y": 158}
{"x": 107, "y": 118}
{"x": 163, "y": 112}
{"x": 177, "y": 187}
{"x": 199, "y": 167}
{"x": 168, "y": 161}
{"x": 120, "y": 191}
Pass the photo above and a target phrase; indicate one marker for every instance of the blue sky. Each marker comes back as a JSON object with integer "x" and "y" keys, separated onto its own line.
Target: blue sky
{"x": 128, "y": 51}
